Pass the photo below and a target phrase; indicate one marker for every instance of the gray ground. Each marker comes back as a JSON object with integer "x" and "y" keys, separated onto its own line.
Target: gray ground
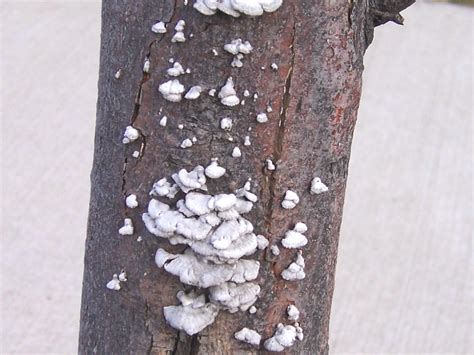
{"x": 404, "y": 276}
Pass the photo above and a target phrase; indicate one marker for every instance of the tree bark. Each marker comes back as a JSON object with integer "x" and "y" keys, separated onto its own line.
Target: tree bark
{"x": 314, "y": 95}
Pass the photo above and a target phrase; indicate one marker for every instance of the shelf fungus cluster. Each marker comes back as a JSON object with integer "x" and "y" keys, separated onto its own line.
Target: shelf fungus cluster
{"x": 217, "y": 237}
{"x": 237, "y": 7}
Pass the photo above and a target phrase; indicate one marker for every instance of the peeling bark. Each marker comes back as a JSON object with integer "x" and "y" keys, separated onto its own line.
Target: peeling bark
{"x": 314, "y": 95}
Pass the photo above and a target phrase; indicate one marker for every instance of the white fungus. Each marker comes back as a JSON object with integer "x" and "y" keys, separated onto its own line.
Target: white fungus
{"x": 262, "y": 242}
{"x": 270, "y": 165}
{"x": 180, "y": 126}
{"x": 226, "y": 123}
{"x": 118, "y": 74}
{"x": 131, "y": 201}
{"x": 176, "y": 70}
{"x": 193, "y": 93}
{"x": 247, "y": 141}
{"x": 296, "y": 269}
{"x": 212, "y": 92}
{"x": 237, "y": 46}
{"x": 284, "y": 337}
{"x": 262, "y": 117}
{"x": 192, "y": 316}
{"x": 246, "y": 93}
{"x": 179, "y": 35}
{"x": 253, "y": 310}
{"x": 228, "y": 95}
{"x": 249, "y": 336}
{"x": 127, "y": 228}
{"x": 299, "y": 332}
{"x": 214, "y": 171}
{"x": 275, "y": 250}
{"x": 295, "y": 238}
{"x": 235, "y": 297}
{"x": 236, "y": 153}
{"x": 317, "y": 186}
{"x": 269, "y": 109}
{"x": 122, "y": 276}
{"x": 139, "y": 238}
{"x": 146, "y": 66}
{"x": 237, "y": 7}
{"x": 159, "y": 27}
{"x": 163, "y": 188}
{"x": 293, "y": 313}
{"x": 136, "y": 154}
{"x": 274, "y": 66}
{"x": 130, "y": 135}
{"x": 163, "y": 121}
{"x": 215, "y": 52}
{"x": 114, "y": 284}
{"x": 172, "y": 90}
{"x": 186, "y": 143}
{"x": 290, "y": 200}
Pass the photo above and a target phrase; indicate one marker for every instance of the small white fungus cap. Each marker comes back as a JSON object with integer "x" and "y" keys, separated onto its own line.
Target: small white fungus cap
{"x": 249, "y": 336}
{"x": 317, "y": 186}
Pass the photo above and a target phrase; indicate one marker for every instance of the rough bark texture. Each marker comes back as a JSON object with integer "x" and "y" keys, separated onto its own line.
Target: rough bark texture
{"x": 314, "y": 94}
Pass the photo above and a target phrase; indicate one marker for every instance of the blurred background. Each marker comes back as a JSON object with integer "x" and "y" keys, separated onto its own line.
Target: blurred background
{"x": 404, "y": 273}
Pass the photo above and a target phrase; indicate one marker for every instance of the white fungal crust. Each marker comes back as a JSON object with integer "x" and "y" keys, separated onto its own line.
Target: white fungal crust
{"x": 179, "y": 35}
{"x": 193, "y": 315}
{"x": 293, "y": 313}
{"x": 163, "y": 121}
{"x": 163, "y": 188}
{"x": 284, "y": 337}
{"x": 187, "y": 143}
{"x": 249, "y": 336}
{"x": 275, "y": 250}
{"x": 236, "y": 7}
{"x": 159, "y": 27}
{"x": 131, "y": 201}
{"x": 270, "y": 165}
{"x": 317, "y": 186}
{"x": 262, "y": 242}
{"x": 295, "y": 238}
{"x": 193, "y": 93}
{"x": 247, "y": 141}
{"x": 146, "y": 66}
{"x": 290, "y": 200}
{"x": 172, "y": 90}
{"x": 238, "y": 46}
{"x": 127, "y": 228}
{"x": 296, "y": 269}
{"x": 130, "y": 135}
{"x": 176, "y": 70}
{"x": 228, "y": 95}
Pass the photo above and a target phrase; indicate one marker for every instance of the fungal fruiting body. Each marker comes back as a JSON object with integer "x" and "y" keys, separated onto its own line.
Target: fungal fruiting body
{"x": 193, "y": 315}
{"x": 176, "y": 70}
{"x": 293, "y": 313}
{"x": 163, "y": 121}
{"x": 217, "y": 237}
{"x": 284, "y": 337}
{"x": 179, "y": 35}
{"x": 295, "y": 238}
{"x": 270, "y": 165}
{"x": 193, "y": 93}
{"x": 274, "y": 66}
{"x": 262, "y": 117}
{"x": 226, "y": 124}
{"x": 114, "y": 284}
{"x": 249, "y": 336}
{"x": 131, "y": 201}
{"x": 214, "y": 171}
{"x": 275, "y": 250}
{"x": 146, "y": 66}
{"x": 236, "y": 153}
{"x": 237, "y": 46}
{"x": 130, "y": 135}
{"x": 127, "y": 228}
{"x": 237, "y": 7}
{"x": 159, "y": 27}
{"x": 247, "y": 141}
{"x": 228, "y": 95}
{"x": 290, "y": 200}
{"x": 186, "y": 143}
{"x": 296, "y": 269}
{"x": 172, "y": 90}
{"x": 317, "y": 186}
{"x": 118, "y": 74}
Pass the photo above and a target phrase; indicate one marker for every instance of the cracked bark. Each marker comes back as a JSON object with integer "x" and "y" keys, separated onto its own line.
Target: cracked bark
{"x": 314, "y": 95}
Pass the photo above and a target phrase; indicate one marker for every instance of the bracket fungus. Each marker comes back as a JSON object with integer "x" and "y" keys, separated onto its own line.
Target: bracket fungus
{"x": 172, "y": 90}
{"x": 296, "y": 269}
{"x": 293, "y": 313}
{"x": 237, "y": 7}
{"x": 176, "y": 70}
{"x": 295, "y": 238}
{"x": 249, "y": 336}
{"x": 131, "y": 201}
{"x": 127, "y": 228}
{"x": 290, "y": 200}
{"x": 193, "y": 93}
{"x": 130, "y": 135}
{"x": 228, "y": 95}
{"x": 159, "y": 27}
{"x": 284, "y": 337}
{"x": 317, "y": 186}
